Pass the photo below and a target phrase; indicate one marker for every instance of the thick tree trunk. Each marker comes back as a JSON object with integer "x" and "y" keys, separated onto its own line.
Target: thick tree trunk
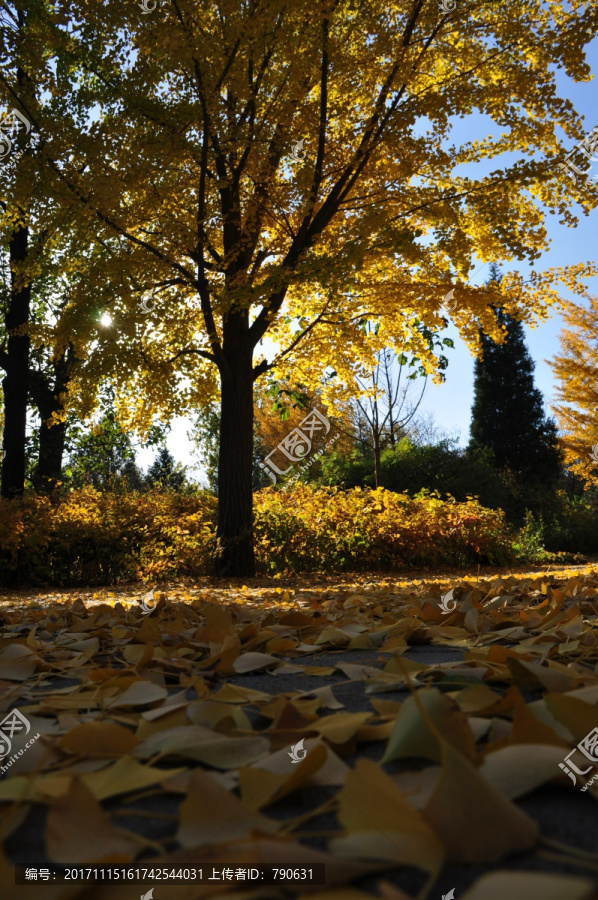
{"x": 48, "y": 471}
{"x": 48, "y": 400}
{"x": 15, "y": 382}
{"x": 235, "y": 491}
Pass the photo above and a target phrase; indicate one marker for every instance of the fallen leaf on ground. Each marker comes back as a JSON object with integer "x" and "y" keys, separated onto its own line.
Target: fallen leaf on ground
{"x": 210, "y": 815}
{"x": 380, "y": 823}
{"x": 474, "y": 821}
{"x": 79, "y": 831}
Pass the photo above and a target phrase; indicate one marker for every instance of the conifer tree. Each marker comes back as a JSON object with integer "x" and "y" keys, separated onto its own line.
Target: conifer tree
{"x": 508, "y": 412}
{"x": 165, "y": 472}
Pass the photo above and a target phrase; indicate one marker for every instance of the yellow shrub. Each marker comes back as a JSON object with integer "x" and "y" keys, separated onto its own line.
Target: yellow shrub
{"x": 87, "y": 537}
{"x": 309, "y": 528}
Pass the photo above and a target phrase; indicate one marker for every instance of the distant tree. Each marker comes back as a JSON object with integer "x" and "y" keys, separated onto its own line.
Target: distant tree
{"x": 104, "y": 457}
{"x": 205, "y": 435}
{"x": 351, "y": 469}
{"x": 387, "y": 407}
{"x": 410, "y": 467}
{"x": 446, "y": 468}
{"x": 508, "y": 413}
{"x": 279, "y": 408}
{"x": 164, "y": 472}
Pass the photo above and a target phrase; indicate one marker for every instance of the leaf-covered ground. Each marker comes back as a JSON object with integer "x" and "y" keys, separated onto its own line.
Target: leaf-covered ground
{"x": 433, "y": 740}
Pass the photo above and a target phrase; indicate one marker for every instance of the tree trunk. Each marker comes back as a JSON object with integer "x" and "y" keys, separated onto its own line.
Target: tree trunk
{"x": 48, "y": 400}
{"x": 15, "y": 382}
{"x": 48, "y": 471}
{"x": 376, "y": 437}
{"x": 235, "y": 491}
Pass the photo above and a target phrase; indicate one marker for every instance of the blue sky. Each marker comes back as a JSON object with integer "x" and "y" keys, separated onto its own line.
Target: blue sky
{"x": 450, "y": 403}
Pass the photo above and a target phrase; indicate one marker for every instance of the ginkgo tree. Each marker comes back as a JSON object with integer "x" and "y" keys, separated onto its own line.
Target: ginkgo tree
{"x": 285, "y": 170}
{"x": 15, "y": 244}
{"x": 576, "y": 372}
{"x": 38, "y": 245}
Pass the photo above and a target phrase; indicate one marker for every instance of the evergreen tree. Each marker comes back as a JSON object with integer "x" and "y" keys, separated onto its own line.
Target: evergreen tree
{"x": 508, "y": 413}
{"x": 164, "y": 472}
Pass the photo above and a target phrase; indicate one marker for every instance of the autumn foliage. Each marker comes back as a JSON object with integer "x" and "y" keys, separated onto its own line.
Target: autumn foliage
{"x": 94, "y": 537}
{"x": 310, "y": 529}
{"x": 213, "y": 176}
{"x": 575, "y": 368}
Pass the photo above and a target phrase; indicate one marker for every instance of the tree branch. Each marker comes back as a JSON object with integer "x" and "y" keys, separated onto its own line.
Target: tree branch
{"x": 290, "y": 348}
{"x": 188, "y": 350}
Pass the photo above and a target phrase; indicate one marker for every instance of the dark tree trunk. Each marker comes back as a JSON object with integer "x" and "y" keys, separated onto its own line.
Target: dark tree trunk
{"x": 48, "y": 471}
{"x": 16, "y": 362}
{"x": 235, "y": 501}
{"x": 376, "y": 437}
{"x": 50, "y": 400}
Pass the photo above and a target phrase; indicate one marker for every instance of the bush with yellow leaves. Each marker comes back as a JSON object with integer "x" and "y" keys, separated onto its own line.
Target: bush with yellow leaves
{"x": 327, "y": 529}
{"x": 88, "y": 537}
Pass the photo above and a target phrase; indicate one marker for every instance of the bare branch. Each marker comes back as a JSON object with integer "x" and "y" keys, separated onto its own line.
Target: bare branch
{"x": 290, "y": 348}
{"x": 188, "y": 350}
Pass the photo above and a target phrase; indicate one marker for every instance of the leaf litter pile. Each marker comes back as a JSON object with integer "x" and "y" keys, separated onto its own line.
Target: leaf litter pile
{"x": 165, "y": 739}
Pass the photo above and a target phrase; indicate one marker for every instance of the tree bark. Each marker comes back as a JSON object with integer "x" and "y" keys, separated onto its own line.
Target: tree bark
{"x": 48, "y": 472}
{"x": 50, "y": 400}
{"x": 15, "y": 382}
{"x": 376, "y": 440}
{"x": 235, "y": 490}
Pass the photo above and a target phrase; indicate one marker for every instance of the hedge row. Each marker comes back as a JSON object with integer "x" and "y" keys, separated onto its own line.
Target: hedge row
{"x": 90, "y": 538}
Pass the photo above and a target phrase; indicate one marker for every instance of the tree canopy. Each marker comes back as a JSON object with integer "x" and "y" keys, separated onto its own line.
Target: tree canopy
{"x": 177, "y": 137}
